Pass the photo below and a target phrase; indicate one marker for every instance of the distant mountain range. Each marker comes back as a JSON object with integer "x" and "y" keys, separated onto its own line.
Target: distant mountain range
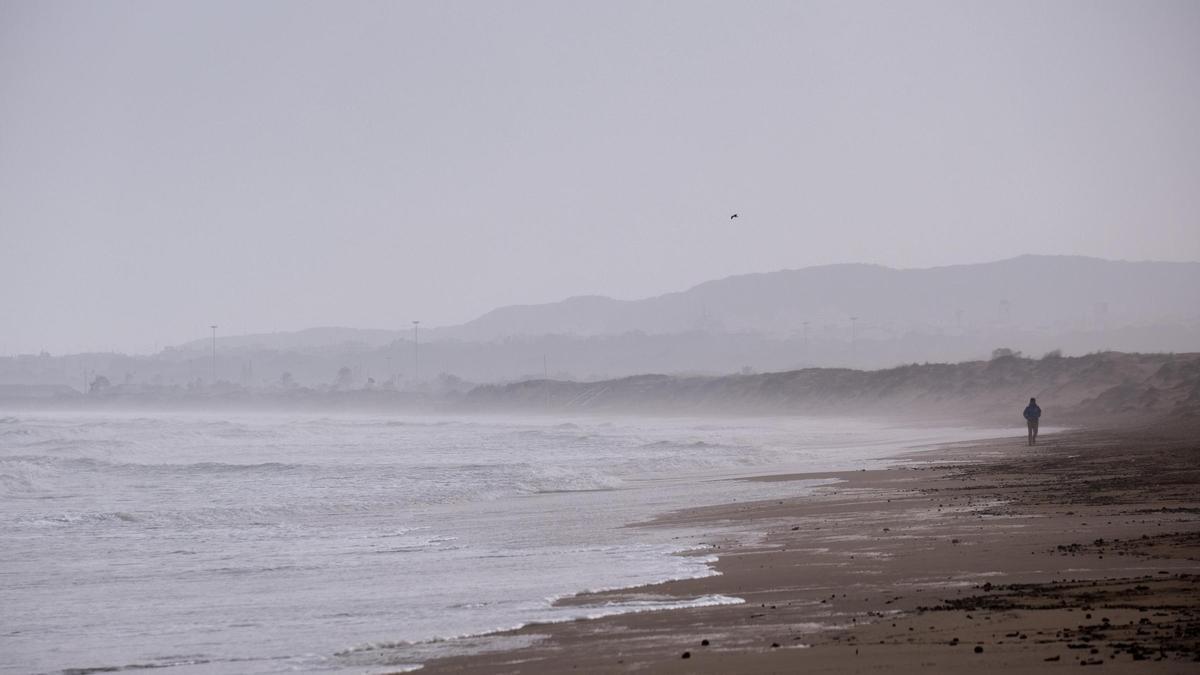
{"x": 1043, "y": 294}
{"x": 1028, "y": 292}
{"x": 860, "y": 316}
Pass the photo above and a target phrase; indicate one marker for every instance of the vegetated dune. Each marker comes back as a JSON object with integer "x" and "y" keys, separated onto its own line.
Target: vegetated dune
{"x": 1109, "y": 387}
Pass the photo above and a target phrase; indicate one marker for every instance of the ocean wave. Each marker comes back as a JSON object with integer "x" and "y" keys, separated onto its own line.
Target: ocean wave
{"x": 241, "y": 518}
{"x": 222, "y": 467}
{"x": 410, "y": 423}
{"x": 74, "y": 443}
{"x": 165, "y": 662}
{"x": 93, "y": 464}
{"x": 636, "y": 606}
{"x": 38, "y": 475}
{"x": 682, "y": 445}
{"x": 407, "y": 543}
{"x": 537, "y": 479}
{"x": 26, "y": 476}
{"x": 88, "y": 517}
{"x": 398, "y": 651}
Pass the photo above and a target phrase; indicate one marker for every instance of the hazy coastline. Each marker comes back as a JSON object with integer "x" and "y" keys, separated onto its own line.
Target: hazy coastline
{"x": 1107, "y": 388}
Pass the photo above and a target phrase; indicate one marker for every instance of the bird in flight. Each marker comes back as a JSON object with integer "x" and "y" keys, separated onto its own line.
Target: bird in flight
{"x": 733, "y": 216}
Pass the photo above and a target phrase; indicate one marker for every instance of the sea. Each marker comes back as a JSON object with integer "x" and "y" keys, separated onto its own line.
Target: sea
{"x": 272, "y": 543}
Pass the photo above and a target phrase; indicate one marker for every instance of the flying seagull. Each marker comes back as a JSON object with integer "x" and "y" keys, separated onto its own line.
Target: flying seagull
{"x": 733, "y": 216}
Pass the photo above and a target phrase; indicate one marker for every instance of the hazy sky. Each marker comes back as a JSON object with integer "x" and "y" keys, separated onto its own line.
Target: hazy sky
{"x": 167, "y": 165}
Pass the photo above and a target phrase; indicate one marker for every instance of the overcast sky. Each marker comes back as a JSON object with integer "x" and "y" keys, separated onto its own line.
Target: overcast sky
{"x": 274, "y": 166}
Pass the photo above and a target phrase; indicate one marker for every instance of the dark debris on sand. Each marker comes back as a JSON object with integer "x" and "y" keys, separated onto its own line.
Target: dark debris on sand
{"x": 1143, "y": 618}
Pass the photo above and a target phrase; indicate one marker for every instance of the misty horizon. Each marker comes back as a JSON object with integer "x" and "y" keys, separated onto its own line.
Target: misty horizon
{"x": 840, "y": 316}
{"x": 431, "y": 331}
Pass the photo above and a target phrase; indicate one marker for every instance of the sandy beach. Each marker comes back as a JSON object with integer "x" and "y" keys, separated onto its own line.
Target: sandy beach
{"x": 993, "y": 557}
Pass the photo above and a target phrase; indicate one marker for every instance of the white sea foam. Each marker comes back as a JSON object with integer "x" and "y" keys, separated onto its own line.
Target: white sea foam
{"x": 260, "y": 544}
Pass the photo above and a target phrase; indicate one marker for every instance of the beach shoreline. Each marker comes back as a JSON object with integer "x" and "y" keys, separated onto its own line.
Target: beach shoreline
{"x": 988, "y": 555}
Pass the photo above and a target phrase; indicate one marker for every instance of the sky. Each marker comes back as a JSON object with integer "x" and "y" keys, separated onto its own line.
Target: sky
{"x": 269, "y": 166}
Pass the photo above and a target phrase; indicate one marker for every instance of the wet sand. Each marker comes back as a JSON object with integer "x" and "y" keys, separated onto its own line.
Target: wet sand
{"x": 994, "y": 557}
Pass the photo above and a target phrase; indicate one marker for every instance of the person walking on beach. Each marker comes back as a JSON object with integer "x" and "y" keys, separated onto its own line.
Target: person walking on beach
{"x": 1032, "y": 414}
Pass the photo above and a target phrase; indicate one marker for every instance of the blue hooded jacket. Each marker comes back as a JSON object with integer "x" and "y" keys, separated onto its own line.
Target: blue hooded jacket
{"x": 1032, "y": 411}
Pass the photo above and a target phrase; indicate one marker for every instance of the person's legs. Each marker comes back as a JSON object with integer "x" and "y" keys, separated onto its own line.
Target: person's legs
{"x": 1029, "y": 425}
{"x": 1033, "y": 431}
